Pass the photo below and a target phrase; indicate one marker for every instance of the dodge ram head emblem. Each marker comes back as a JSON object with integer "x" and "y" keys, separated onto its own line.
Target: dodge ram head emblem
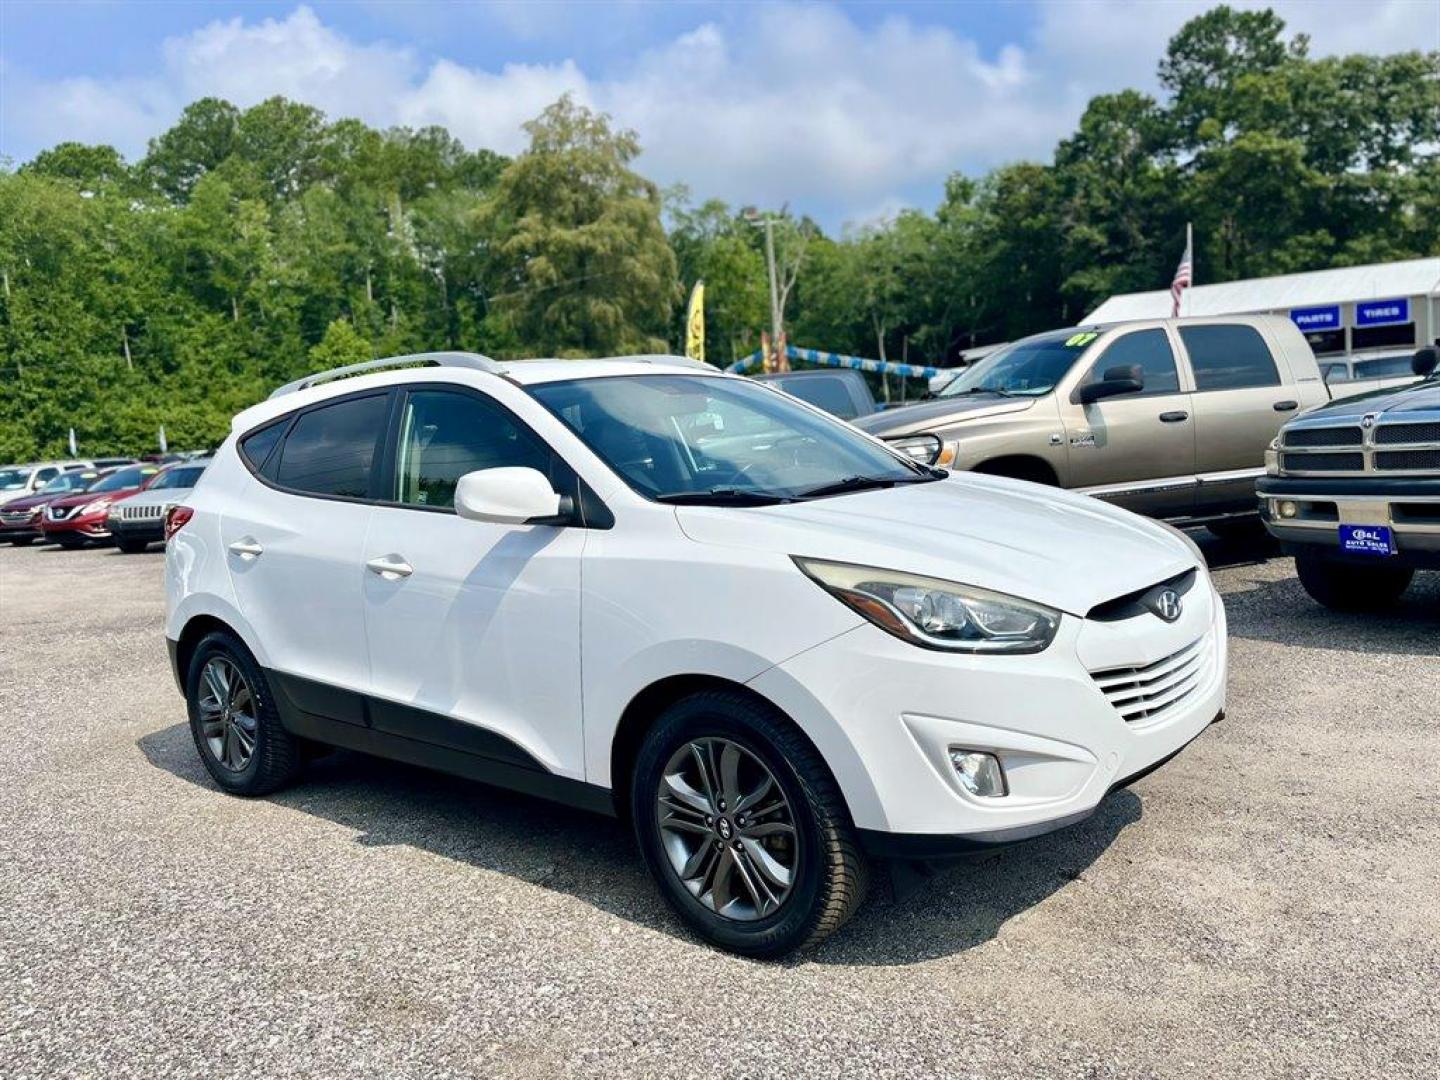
{"x": 1166, "y": 604}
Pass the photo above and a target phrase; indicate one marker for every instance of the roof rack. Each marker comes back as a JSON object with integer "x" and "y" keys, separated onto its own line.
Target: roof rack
{"x": 665, "y": 360}
{"x": 473, "y": 361}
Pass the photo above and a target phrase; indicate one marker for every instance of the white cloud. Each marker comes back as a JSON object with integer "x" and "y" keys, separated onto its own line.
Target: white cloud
{"x": 779, "y": 102}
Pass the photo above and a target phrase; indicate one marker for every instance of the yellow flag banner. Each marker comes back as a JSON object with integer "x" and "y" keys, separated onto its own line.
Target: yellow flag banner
{"x": 695, "y": 323}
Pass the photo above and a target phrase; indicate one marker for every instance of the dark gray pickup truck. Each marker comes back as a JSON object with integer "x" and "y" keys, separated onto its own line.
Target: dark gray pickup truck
{"x": 1352, "y": 490}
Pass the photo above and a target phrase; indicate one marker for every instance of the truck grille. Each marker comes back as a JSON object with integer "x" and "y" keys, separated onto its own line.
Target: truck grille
{"x": 1391, "y": 434}
{"x": 1336, "y": 436}
{"x": 1407, "y": 460}
{"x": 1387, "y": 447}
{"x": 150, "y": 512}
{"x": 1323, "y": 462}
{"x": 1148, "y": 692}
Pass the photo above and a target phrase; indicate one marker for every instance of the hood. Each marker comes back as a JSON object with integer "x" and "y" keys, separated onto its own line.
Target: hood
{"x": 1067, "y": 551}
{"x": 158, "y": 496}
{"x": 1416, "y": 397}
{"x": 28, "y": 502}
{"x": 928, "y": 415}
{"x": 90, "y": 496}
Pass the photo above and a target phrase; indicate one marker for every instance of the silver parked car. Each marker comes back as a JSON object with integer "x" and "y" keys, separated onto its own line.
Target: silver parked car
{"x": 139, "y": 521}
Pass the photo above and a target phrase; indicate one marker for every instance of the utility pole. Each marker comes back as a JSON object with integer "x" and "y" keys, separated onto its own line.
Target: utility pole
{"x": 767, "y": 222}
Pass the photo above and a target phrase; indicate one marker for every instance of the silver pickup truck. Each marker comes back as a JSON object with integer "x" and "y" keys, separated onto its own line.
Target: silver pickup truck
{"x": 1168, "y": 417}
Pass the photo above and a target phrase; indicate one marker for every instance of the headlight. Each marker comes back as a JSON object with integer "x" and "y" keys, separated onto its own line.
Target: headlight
{"x": 937, "y": 614}
{"x": 922, "y": 448}
{"x": 94, "y": 507}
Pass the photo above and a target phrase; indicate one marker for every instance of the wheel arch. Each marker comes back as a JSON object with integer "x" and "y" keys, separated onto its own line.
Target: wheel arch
{"x": 641, "y": 713}
{"x": 1020, "y": 467}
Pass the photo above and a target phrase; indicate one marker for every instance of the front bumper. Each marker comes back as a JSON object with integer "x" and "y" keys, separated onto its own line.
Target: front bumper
{"x": 1063, "y": 743}
{"x": 88, "y": 527}
{"x": 147, "y": 530}
{"x": 1409, "y": 506}
{"x": 28, "y": 529}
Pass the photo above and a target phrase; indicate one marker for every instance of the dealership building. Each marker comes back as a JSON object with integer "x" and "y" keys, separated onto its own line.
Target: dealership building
{"x": 1360, "y": 310}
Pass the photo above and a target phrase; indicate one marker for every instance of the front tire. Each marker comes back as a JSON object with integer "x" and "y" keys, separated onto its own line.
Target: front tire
{"x": 132, "y": 547}
{"x": 1344, "y": 586}
{"x": 22, "y": 541}
{"x": 743, "y": 827}
{"x": 233, "y": 720}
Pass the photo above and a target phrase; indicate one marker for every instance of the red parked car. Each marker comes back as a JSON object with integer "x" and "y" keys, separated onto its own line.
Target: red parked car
{"x": 73, "y": 521}
{"x": 20, "y": 519}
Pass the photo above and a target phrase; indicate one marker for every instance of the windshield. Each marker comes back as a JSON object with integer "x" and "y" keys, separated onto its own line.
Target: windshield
{"x": 13, "y": 479}
{"x": 70, "y": 481}
{"x": 178, "y": 478}
{"x": 1030, "y": 368}
{"x": 696, "y": 438}
{"x": 126, "y": 478}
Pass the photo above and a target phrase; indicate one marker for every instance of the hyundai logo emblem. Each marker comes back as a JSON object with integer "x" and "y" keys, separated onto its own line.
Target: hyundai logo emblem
{"x": 1167, "y": 605}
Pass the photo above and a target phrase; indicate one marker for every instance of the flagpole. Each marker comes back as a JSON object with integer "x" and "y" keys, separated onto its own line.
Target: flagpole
{"x": 1189, "y": 250}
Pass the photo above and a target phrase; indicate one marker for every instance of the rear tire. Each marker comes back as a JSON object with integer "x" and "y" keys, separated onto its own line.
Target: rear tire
{"x": 132, "y": 547}
{"x": 233, "y": 720}
{"x": 798, "y": 843}
{"x": 1344, "y": 586}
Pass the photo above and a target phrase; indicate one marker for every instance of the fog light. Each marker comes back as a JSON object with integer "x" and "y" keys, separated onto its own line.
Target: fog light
{"x": 1288, "y": 509}
{"x": 979, "y": 772}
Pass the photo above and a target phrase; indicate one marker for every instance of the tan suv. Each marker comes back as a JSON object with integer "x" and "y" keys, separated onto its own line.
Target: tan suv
{"x": 1168, "y": 417}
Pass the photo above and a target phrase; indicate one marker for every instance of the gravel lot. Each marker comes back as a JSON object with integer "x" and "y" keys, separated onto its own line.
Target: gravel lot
{"x": 1267, "y": 904}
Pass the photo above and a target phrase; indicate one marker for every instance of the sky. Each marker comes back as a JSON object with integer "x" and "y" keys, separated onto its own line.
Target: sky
{"x": 846, "y": 111}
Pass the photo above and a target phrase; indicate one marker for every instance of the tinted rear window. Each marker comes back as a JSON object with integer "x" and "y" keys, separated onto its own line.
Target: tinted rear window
{"x": 256, "y": 447}
{"x": 1384, "y": 367}
{"x": 828, "y": 393}
{"x": 1229, "y": 357}
{"x": 331, "y": 450}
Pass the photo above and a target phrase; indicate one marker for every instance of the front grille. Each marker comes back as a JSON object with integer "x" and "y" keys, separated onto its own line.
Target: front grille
{"x": 1337, "y": 436}
{"x": 1322, "y": 462}
{"x": 152, "y": 512}
{"x": 1147, "y": 692}
{"x": 59, "y": 513}
{"x": 1393, "y": 460}
{"x": 1390, "y": 434}
{"x": 18, "y": 517}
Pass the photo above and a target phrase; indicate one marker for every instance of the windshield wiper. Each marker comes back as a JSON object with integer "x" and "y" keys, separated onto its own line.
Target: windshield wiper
{"x": 862, "y": 483}
{"x": 988, "y": 390}
{"x": 721, "y": 496}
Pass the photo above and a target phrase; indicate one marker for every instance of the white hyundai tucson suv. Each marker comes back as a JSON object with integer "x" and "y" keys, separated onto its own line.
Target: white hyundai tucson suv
{"x": 646, "y": 588}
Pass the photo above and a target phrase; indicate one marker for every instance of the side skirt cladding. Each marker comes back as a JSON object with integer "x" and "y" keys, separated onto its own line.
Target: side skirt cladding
{"x": 352, "y": 721}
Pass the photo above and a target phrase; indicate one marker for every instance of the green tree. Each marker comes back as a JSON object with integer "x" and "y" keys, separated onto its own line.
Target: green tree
{"x": 582, "y": 261}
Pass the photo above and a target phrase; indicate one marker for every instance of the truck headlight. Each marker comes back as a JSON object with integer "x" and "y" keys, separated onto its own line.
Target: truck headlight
{"x": 937, "y": 614}
{"x": 922, "y": 448}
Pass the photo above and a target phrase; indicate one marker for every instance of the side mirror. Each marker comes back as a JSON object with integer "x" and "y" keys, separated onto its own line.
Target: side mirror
{"x": 1126, "y": 379}
{"x": 1425, "y": 360}
{"x": 511, "y": 495}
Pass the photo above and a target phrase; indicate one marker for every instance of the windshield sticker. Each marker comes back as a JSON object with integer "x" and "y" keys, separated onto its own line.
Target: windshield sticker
{"x": 1080, "y": 340}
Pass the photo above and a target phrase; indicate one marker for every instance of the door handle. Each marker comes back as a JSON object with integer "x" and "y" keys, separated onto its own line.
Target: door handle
{"x": 247, "y": 548}
{"x": 390, "y": 567}
{"x": 1174, "y": 417}
{"x": 1286, "y": 406}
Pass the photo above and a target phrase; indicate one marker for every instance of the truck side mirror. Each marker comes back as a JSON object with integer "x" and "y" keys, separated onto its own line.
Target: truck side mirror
{"x": 1425, "y": 361}
{"x": 1125, "y": 379}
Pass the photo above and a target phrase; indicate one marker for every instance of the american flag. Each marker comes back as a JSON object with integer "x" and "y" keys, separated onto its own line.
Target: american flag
{"x": 1184, "y": 276}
